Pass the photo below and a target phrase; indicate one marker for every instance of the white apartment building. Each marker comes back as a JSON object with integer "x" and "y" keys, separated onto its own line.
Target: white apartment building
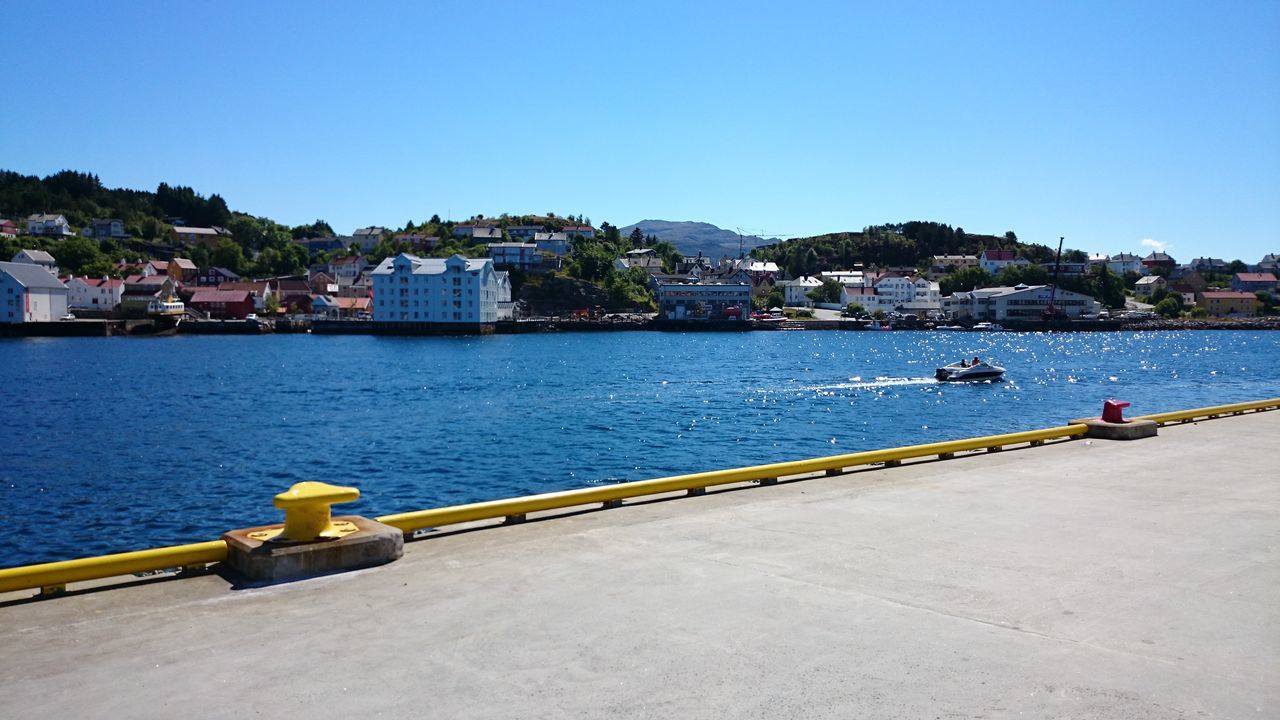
{"x": 908, "y": 294}
{"x": 455, "y": 289}
{"x": 28, "y": 293}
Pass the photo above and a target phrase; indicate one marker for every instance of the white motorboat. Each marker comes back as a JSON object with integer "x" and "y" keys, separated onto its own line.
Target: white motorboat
{"x": 962, "y": 371}
{"x": 988, "y": 326}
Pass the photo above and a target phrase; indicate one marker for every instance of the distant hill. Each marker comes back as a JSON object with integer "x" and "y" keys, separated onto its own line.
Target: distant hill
{"x": 692, "y": 238}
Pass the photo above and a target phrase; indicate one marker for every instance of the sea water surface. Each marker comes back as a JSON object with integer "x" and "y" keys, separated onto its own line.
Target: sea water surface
{"x": 114, "y": 444}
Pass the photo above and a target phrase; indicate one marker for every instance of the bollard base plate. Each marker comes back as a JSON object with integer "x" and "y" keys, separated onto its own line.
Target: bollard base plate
{"x": 1129, "y": 430}
{"x": 262, "y": 560}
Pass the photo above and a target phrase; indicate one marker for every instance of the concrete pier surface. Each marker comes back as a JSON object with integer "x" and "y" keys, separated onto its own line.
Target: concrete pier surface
{"x": 1088, "y": 578}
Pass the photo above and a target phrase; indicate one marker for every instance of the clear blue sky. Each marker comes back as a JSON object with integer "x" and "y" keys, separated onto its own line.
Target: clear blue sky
{"x": 1111, "y": 123}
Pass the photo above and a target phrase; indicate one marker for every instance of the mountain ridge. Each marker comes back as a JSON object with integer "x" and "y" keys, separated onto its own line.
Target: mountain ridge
{"x": 692, "y": 237}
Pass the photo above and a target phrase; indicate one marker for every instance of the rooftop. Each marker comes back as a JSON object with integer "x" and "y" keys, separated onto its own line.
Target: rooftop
{"x": 1080, "y": 579}
{"x": 31, "y": 276}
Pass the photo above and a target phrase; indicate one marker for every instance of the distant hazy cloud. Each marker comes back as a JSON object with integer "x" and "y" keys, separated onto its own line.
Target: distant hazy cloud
{"x": 1155, "y": 245}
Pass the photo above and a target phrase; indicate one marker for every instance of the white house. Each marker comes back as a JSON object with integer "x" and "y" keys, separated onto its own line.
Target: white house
{"x": 37, "y": 257}
{"x": 49, "y": 226}
{"x": 645, "y": 258}
{"x": 346, "y": 269}
{"x": 1146, "y": 286}
{"x": 993, "y": 261}
{"x": 28, "y": 293}
{"x": 94, "y": 293}
{"x": 848, "y": 278}
{"x": 506, "y": 307}
{"x": 1126, "y": 262}
{"x": 796, "y": 292}
{"x": 457, "y": 290}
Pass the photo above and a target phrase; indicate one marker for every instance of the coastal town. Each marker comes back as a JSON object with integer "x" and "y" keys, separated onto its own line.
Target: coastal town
{"x": 384, "y": 280}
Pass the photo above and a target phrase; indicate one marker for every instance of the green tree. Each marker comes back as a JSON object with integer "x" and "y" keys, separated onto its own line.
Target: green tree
{"x": 853, "y": 309}
{"x": 73, "y": 254}
{"x": 964, "y": 280}
{"x": 829, "y": 292}
{"x": 1109, "y": 288}
{"x": 637, "y": 237}
{"x": 592, "y": 262}
{"x": 669, "y": 254}
{"x": 1267, "y": 301}
{"x": 1170, "y": 306}
{"x": 227, "y": 254}
{"x": 1022, "y": 275}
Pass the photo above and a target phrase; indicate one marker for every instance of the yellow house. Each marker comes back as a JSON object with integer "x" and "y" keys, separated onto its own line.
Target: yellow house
{"x": 1221, "y": 303}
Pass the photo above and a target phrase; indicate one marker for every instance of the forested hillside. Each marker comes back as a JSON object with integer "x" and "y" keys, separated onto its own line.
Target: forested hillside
{"x": 908, "y": 244}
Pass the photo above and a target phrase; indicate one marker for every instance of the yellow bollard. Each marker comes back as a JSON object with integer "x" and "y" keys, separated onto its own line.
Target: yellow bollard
{"x": 306, "y": 510}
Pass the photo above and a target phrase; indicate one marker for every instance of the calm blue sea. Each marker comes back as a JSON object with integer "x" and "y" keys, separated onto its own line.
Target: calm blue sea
{"x": 114, "y": 444}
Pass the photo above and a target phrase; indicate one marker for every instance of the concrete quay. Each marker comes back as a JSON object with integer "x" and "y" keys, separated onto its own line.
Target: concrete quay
{"x": 1086, "y": 578}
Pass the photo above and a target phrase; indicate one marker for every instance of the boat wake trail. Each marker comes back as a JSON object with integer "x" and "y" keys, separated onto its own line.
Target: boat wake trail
{"x": 875, "y": 384}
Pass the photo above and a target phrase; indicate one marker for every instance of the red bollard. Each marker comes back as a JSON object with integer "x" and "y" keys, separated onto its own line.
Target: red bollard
{"x": 1113, "y": 411}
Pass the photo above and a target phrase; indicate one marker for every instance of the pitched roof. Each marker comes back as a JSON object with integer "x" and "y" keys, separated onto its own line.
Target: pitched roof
{"x": 1228, "y": 295}
{"x": 183, "y": 263}
{"x": 99, "y": 282}
{"x": 257, "y": 287}
{"x": 40, "y": 256}
{"x": 222, "y": 296}
{"x": 31, "y": 276}
{"x": 147, "y": 280}
{"x": 430, "y": 266}
{"x": 998, "y": 254}
{"x": 1256, "y": 277}
{"x": 224, "y": 272}
{"x": 190, "y": 230}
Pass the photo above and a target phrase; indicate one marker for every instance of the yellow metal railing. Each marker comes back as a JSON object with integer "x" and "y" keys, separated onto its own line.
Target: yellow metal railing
{"x": 521, "y": 506}
{"x": 56, "y": 575}
{"x": 1210, "y": 412}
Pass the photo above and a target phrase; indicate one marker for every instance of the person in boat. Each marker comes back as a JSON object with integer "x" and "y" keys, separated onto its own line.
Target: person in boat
{"x": 964, "y": 363}
{"x": 975, "y": 361}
